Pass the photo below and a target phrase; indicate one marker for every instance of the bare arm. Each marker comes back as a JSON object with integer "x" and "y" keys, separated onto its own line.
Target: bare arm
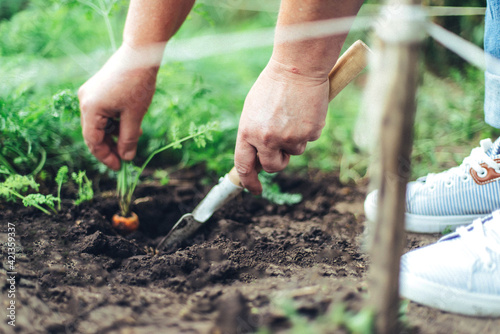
{"x": 312, "y": 57}
{"x": 124, "y": 87}
{"x": 153, "y": 21}
{"x": 287, "y": 105}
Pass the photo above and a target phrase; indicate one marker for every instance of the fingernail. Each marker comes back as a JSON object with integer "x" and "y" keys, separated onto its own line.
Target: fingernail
{"x": 129, "y": 155}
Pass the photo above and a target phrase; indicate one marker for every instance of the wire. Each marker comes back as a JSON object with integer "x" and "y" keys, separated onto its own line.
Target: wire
{"x": 219, "y": 44}
{"x": 273, "y": 6}
{"x": 463, "y": 48}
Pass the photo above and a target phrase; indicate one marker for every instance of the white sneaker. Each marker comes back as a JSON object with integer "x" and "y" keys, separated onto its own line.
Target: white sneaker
{"x": 460, "y": 273}
{"x": 454, "y": 197}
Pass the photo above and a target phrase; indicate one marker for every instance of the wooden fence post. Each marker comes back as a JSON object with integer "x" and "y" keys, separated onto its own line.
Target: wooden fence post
{"x": 391, "y": 92}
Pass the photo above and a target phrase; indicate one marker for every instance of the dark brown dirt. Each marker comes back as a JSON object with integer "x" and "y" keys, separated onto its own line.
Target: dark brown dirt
{"x": 255, "y": 265}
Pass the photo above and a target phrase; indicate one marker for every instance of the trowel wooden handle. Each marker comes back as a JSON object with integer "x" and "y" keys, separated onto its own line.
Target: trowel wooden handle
{"x": 348, "y": 66}
{"x": 234, "y": 177}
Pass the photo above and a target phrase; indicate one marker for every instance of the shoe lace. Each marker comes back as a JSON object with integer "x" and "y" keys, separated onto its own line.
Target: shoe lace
{"x": 477, "y": 156}
{"x": 478, "y": 241}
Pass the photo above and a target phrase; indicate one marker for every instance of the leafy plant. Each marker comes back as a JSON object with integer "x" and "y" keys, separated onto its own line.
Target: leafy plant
{"x": 128, "y": 175}
{"x": 362, "y": 322}
{"x": 338, "y": 319}
{"x": 39, "y": 199}
{"x": 61, "y": 177}
{"x": 85, "y": 191}
{"x": 13, "y": 187}
{"x": 162, "y": 176}
{"x": 40, "y": 135}
{"x": 103, "y": 8}
{"x": 16, "y": 184}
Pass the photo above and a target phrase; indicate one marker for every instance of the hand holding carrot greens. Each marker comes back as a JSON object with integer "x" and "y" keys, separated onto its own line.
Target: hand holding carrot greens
{"x": 124, "y": 87}
{"x": 116, "y": 92}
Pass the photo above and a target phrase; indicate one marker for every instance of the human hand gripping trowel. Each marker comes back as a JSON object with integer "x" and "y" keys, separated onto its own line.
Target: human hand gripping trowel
{"x": 348, "y": 66}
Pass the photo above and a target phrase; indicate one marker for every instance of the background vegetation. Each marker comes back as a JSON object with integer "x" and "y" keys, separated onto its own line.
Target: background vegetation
{"x": 49, "y": 48}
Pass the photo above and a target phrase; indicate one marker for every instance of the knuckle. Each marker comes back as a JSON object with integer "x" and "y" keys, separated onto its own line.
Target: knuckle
{"x": 314, "y": 133}
{"x": 267, "y": 137}
{"x": 243, "y": 169}
{"x": 273, "y": 166}
{"x": 270, "y": 168}
{"x": 314, "y": 136}
{"x": 129, "y": 139}
{"x": 299, "y": 149}
{"x": 289, "y": 138}
{"x": 86, "y": 104}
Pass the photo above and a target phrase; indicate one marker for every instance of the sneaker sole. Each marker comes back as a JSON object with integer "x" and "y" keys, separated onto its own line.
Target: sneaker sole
{"x": 448, "y": 299}
{"x": 426, "y": 224}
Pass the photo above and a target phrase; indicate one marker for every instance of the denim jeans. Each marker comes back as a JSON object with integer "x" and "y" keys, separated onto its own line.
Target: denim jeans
{"x": 492, "y": 74}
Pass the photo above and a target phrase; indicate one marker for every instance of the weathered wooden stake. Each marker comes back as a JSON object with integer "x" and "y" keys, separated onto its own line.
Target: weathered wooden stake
{"x": 391, "y": 91}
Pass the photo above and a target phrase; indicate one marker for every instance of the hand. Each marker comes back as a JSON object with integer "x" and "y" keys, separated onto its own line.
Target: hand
{"x": 123, "y": 89}
{"x": 282, "y": 112}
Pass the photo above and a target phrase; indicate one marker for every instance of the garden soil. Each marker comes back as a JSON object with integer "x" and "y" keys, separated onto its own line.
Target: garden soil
{"x": 254, "y": 265}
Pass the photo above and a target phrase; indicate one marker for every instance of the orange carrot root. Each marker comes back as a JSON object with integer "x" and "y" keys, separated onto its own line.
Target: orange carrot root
{"x": 126, "y": 224}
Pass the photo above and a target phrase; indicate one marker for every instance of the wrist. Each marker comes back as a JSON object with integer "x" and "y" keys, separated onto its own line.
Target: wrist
{"x": 145, "y": 57}
{"x": 310, "y": 58}
{"x": 296, "y": 73}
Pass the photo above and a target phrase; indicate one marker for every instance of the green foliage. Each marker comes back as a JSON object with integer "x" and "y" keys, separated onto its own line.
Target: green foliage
{"x": 17, "y": 183}
{"x": 449, "y": 120}
{"x": 14, "y": 185}
{"x": 128, "y": 176}
{"x": 182, "y": 97}
{"x": 103, "y": 8}
{"x": 339, "y": 318}
{"x": 10, "y": 7}
{"x": 51, "y": 28}
{"x": 403, "y": 313}
{"x": 65, "y": 104}
{"x": 362, "y": 322}
{"x": 85, "y": 191}
{"x": 41, "y": 134}
{"x": 447, "y": 230}
{"x": 34, "y": 199}
{"x": 471, "y": 27}
{"x": 162, "y": 176}
{"x": 61, "y": 177}
{"x": 272, "y": 192}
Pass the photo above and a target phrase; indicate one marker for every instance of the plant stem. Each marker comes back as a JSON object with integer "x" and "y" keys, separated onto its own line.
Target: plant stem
{"x": 105, "y": 15}
{"x": 124, "y": 188}
{"x": 59, "y": 197}
{"x": 110, "y": 31}
{"x": 127, "y": 182}
{"x": 15, "y": 193}
{"x": 42, "y": 162}
{"x": 104, "y": 12}
{"x": 4, "y": 162}
{"x": 161, "y": 149}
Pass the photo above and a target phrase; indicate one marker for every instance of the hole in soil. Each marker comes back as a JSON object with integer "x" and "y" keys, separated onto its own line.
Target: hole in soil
{"x": 158, "y": 208}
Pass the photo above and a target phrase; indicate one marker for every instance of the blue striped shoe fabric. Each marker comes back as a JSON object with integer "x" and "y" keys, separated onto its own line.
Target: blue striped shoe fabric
{"x": 454, "y": 197}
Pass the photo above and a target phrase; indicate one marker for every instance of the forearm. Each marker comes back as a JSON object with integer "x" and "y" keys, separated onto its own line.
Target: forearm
{"x": 154, "y": 21}
{"x": 311, "y": 57}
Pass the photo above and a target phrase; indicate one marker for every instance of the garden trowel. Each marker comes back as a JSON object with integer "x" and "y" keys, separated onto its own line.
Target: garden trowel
{"x": 348, "y": 66}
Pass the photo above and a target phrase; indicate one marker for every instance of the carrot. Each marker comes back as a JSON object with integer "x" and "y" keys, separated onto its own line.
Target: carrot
{"x": 126, "y": 224}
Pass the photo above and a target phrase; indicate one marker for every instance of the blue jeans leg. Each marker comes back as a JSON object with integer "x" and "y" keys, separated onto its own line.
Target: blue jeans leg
{"x": 492, "y": 74}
